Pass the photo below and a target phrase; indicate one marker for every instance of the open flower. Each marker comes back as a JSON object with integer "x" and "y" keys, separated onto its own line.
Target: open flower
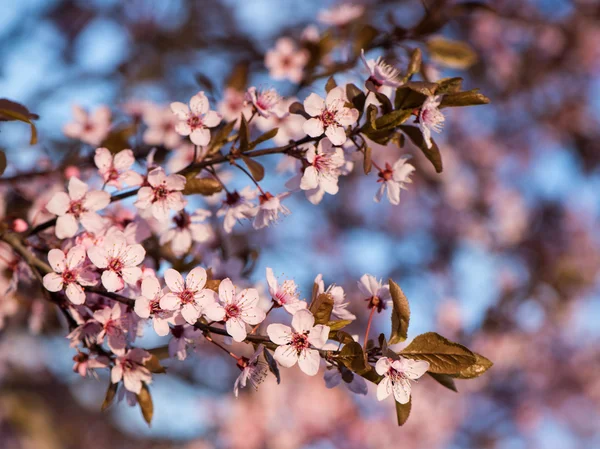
{"x": 161, "y": 127}
{"x": 113, "y": 328}
{"x": 78, "y": 206}
{"x": 89, "y": 128}
{"x": 237, "y": 309}
{"x": 321, "y": 176}
{"x": 148, "y": 306}
{"x": 195, "y": 120}
{"x": 289, "y": 125}
{"x": 397, "y": 375}
{"x": 286, "y": 294}
{"x": 116, "y": 170}
{"x": 286, "y": 60}
{"x": 430, "y": 118}
{"x": 70, "y": 272}
{"x": 162, "y": 194}
{"x": 188, "y": 229}
{"x": 189, "y": 296}
{"x": 233, "y": 105}
{"x": 375, "y": 293}
{"x": 118, "y": 260}
{"x": 253, "y": 371}
{"x": 380, "y": 72}
{"x": 330, "y": 116}
{"x": 393, "y": 179}
{"x": 264, "y": 101}
{"x": 295, "y": 342}
{"x": 269, "y": 209}
{"x": 339, "y": 298}
{"x": 236, "y": 206}
{"x": 130, "y": 368}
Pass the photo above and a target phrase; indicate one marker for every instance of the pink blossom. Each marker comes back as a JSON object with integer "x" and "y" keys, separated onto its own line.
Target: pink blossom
{"x": 130, "y": 368}
{"x": 161, "y": 128}
{"x": 89, "y": 128}
{"x": 330, "y": 116}
{"x": 253, "y": 371}
{"x": 148, "y": 306}
{"x": 269, "y": 209}
{"x": 375, "y": 293}
{"x": 430, "y": 118}
{"x": 113, "y": 325}
{"x": 380, "y": 72}
{"x": 289, "y": 125}
{"x": 70, "y": 272}
{"x": 263, "y": 101}
{"x": 237, "y": 206}
{"x": 189, "y": 296}
{"x": 85, "y": 364}
{"x": 162, "y": 194}
{"x": 286, "y": 61}
{"x": 188, "y": 229}
{"x": 195, "y": 120}
{"x": 116, "y": 170}
{"x": 397, "y": 376}
{"x": 393, "y": 179}
{"x": 78, "y": 206}
{"x": 233, "y": 105}
{"x": 341, "y": 14}
{"x": 236, "y": 309}
{"x": 286, "y": 294}
{"x": 118, "y": 260}
{"x": 321, "y": 176}
{"x": 295, "y": 342}
{"x": 339, "y": 298}
{"x": 182, "y": 337}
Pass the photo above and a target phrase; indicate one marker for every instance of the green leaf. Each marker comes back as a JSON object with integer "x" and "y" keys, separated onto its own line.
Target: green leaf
{"x": 448, "y": 86}
{"x": 256, "y": 168}
{"x": 445, "y": 380}
{"x": 451, "y": 53}
{"x": 400, "y": 314}
{"x": 386, "y": 104}
{"x": 145, "y": 401}
{"x": 443, "y": 355}
{"x": 392, "y": 119}
{"x": 367, "y": 163}
{"x": 3, "y": 162}
{"x": 433, "y": 153}
{"x": 403, "y": 411}
{"x": 10, "y": 114}
{"x": 407, "y": 98}
{"x": 480, "y": 366}
{"x": 421, "y": 87}
{"x": 202, "y": 186}
{"x": 264, "y": 137}
{"x": 109, "y": 398}
{"x": 357, "y": 97}
{"x": 298, "y": 108}
{"x": 321, "y": 308}
{"x": 353, "y": 357}
{"x": 331, "y": 84}
{"x": 467, "y": 98}
{"x": 337, "y": 324}
{"x": 341, "y": 336}
{"x": 272, "y": 364}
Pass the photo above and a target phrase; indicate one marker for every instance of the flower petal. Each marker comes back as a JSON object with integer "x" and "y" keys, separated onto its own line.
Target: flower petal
{"x": 303, "y": 321}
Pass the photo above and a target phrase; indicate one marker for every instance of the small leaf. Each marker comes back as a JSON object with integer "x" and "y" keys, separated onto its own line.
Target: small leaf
{"x": 8, "y": 105}
{"x": 451, "y": 53}
{"x": 422, "y": 87}
{"x": 238, "y": 79}
{"x": 110, "y": 396}
{"x": 219, "y": 137}
{"x": 153, "y": 365}
{"x": 272, "y": 364}
{"x": 205, "y": 82}
{"x": 202, "y": 186}
{"x": 256, "y": 169}
{"x": 400, "y": 314}
{"x": 480, "y": 366}
{"x": 321, "y": 308}
{"x": 244, "y": 135}
{"x": 3, "y": 162}
{"x": 298, "y": 108}
{"x": 467, "y": 98}
{"x": 337, "y": 324}
{"x": 443, "y": 355}
{"x": 353, "y": 357}
{"x": 9, "y": 112}
{"x": 386, "y": 104}
{"x": 445, "y": 380}
{"x": 341, "y": 336}
{"x": 407, "y": 98}
{"x": 264, "y": 137}
{"x": 145, "y": 401}
{"x": 213, "y": 284}
{"x": 392, "y": 119}
{"x": 415, "y": 63}
{"x": 448, "y": 86}
{"x": 331, "y": 84}
{"x": 433, "y": 153}
{"x": 403, "y": 411}
{"x": 367, "y": 163}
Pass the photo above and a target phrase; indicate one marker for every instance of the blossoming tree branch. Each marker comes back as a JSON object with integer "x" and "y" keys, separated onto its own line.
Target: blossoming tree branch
{"x": 111, "y": 266}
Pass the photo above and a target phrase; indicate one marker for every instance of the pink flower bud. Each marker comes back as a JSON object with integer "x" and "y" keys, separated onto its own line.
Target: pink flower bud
{"x": 71, "y": 171}
{"x": 20, "y": 225}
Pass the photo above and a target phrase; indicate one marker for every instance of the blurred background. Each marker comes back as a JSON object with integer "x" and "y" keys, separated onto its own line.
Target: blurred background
{"x": 500, "y": 252}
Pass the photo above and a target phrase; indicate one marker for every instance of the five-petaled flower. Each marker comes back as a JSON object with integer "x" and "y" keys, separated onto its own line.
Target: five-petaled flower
{"x": 113, "y": 323}
{"x": 148, "y": 306}
{"x": 195, "y": 120}
{"x": 89, "y": 128}
{"x": 380, "y": 72}
{"x": 376, "y": 294}
{"x": 237, "y": 205}
{"x": 431, "y": 118}
{"x": 393, "y": 179}
{"x": 285, "y": 295}
{"x": 188, "y": 229}
{"x": 263, "y": 101}
{"x": 237, "y": 309}
{"x": 397, "y": 375}
{"x": 295, "y": 342}
{"x": 116, "y": 170}
{"x": 269, "y": 209}
{"x": 189, "y": 296}
{"x": 130, "y": 368}
{"x": 286, "y": 60}
{"x": 329, "y": 116}
{"x": 78, "y": 206}
{"x": 118, "y": 260}
{"x": 162, "y": 194}
{"x": 70, "y": 272}
{"x": 253, "y": 371}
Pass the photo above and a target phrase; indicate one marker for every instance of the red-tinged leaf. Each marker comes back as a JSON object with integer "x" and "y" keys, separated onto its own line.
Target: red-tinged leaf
{"x": 111, "y": 392}
{"x": 146, "y": 405}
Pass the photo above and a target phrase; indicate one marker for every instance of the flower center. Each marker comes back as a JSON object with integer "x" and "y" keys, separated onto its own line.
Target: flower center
{"x": 160, "y": 192}
{"x": 68, "y": 276}
{"x": 299, "y": 342}
{"x": 195, "y": 122}
{"x": 328, "y": 118}
{"x": 386, "y": 174}
{"x": 113, "y": 174}
{"x": 76, "y": 208}
{"x": 182, "y": 220}
{"x": 374, "y": 301}
{"x": 155, "y": 306}
{"x": 115, "y": 265}
{"x": 186, "y": 296}
{"x": 232, "y": 311}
